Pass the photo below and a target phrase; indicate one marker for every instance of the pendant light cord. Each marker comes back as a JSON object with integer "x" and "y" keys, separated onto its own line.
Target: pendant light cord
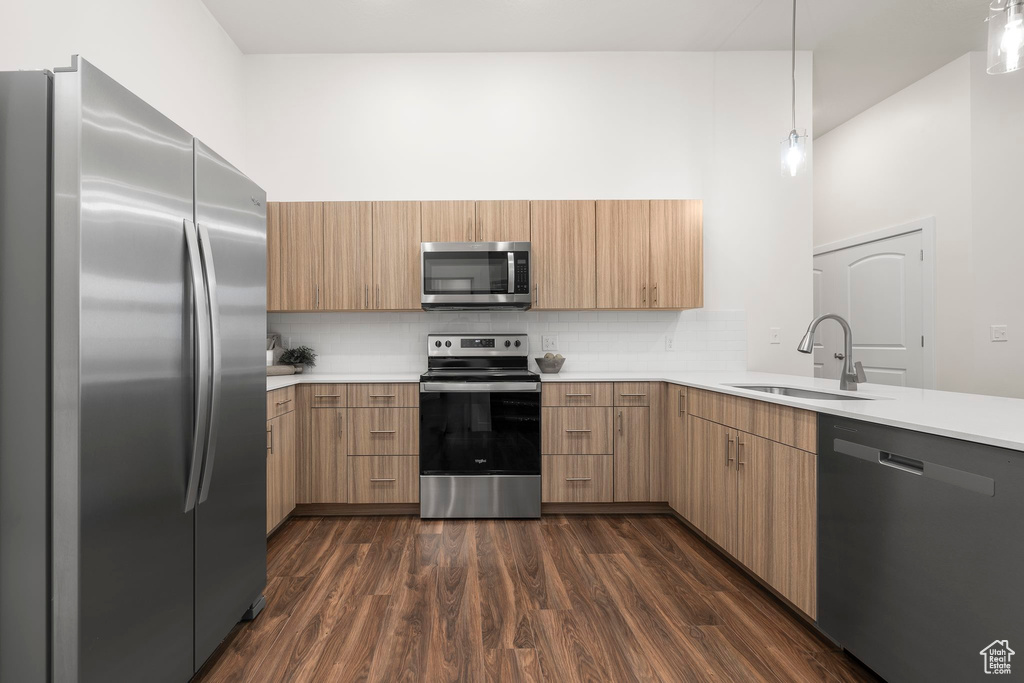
{"x": 794, "y": 65}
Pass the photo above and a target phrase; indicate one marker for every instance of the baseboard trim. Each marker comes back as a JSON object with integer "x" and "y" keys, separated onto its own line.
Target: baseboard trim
{"x": 604, "y": 508}
{"x": 354, "y": 509}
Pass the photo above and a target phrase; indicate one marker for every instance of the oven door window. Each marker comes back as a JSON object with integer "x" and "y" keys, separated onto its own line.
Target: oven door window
{"x": 479, "y": 433}
{"x": 465, "y": 272}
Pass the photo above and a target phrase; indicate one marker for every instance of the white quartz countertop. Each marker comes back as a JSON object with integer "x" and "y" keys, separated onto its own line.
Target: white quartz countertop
{"x": 983, "y": 419}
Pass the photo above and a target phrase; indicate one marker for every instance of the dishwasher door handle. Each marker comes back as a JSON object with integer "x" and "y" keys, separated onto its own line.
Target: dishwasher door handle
{"x": 978, "y": 483}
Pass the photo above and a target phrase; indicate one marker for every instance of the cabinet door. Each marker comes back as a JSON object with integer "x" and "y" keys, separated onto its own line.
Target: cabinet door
{"x": 324, "y": 478}
{"x": 793, "y": 526}
{"x": 348, "y": 256}
{"x": 287, "y": 465}
{"x": 623, "y": 246}
{"x": 754, "y": 477}
{"x": 717, "y": 459}
{"x": 396, "y": 256}
{"x": 302, "y": 253}
{"x": 273, "y": 476}
{"x": 632, "y": 454}
{"x": 448, "y": 221}
{"x": 273, "y": 257}
{"x": 503, "y": 221}
{"x": 563, "y": 246}
{"x": 676, "y": 444}
{"x": 677, "y": 254}
{"x": 696, "y": 473}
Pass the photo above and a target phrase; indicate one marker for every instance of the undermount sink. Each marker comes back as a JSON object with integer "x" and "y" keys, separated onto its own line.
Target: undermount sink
{"x": 801, "y": 393}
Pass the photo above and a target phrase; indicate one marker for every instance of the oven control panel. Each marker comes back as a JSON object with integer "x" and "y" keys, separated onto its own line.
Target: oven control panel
{"x": 455, "y": 345}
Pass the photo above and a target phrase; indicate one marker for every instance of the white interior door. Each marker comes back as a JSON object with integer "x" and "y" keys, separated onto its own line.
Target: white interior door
{"x": 878, "y": 288}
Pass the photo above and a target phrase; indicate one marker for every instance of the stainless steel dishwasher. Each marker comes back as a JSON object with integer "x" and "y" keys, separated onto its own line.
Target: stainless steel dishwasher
{"x": 920, "y": 551}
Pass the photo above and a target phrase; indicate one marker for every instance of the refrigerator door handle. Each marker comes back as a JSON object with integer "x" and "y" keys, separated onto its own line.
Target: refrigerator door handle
{"x": 202, "y": 364}
{"x": 206, "y": 253}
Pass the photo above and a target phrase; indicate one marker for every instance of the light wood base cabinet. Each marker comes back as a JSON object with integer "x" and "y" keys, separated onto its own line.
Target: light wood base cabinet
{"x": 756, "y": 499}
{"x": 632, "y": 454}
{"x": 577, "y": 479}
{"x": 383, "y": 479}
{"x": 325, "y": 479}
{"x": 280, "y": 468}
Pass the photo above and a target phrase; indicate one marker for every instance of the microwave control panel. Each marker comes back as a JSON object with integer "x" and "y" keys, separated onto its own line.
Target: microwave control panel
{"x": 522, "y": 261}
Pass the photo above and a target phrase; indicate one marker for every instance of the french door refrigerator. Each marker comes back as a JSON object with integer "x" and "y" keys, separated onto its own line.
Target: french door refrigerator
{"x": 132, "y": 420}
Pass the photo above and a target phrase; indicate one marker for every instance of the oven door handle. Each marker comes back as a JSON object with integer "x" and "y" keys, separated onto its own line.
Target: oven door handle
{"x": 480, "y": 387}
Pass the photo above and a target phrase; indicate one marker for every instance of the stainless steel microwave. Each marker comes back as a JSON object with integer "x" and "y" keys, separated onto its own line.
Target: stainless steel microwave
{"x": 459, "y": 276}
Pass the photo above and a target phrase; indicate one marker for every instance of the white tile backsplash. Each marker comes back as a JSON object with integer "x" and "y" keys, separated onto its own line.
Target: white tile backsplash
{"x": 590, "y": 340}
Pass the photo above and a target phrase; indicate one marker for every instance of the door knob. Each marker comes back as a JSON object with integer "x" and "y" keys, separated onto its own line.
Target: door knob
{"x": 840, "y": 356}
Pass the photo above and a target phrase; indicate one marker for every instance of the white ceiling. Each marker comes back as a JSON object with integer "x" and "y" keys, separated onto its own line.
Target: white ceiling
{"x": 864, "y": 51}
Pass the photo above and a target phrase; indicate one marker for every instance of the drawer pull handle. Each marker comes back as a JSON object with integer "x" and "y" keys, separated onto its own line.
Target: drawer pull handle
{"x": 382, "y": 431}
{"x": 326, "y": 395}
{"x": 568, "y": 395}
{"x": 381, "y": 479}
{"x": 632, "y": 394}
{"x": 574, "y": 431}
{"x": 382, "y": 395}
{"x": 577, "y": 478}
{"x": 281, "y": 403}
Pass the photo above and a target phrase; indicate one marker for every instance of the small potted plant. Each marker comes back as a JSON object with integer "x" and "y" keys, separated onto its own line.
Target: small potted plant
{"x": 300, "y": 356}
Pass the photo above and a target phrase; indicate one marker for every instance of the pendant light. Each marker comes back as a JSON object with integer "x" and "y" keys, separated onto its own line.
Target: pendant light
{"x": 1005, "y": 36}
{"x": 794, "y": 146}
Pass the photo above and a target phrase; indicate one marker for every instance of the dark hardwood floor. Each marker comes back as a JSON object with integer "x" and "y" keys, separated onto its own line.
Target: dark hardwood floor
{"x": 565, "y": 598}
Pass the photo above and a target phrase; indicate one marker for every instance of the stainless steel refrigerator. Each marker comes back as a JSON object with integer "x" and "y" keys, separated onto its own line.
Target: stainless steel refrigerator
{"x": 132, "y": 386}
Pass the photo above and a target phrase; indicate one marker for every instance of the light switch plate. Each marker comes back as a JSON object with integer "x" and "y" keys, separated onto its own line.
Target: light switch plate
{"x": 549, "y": 342}
{"x": 999, "y": 333}
{"x": 774, "y": 335}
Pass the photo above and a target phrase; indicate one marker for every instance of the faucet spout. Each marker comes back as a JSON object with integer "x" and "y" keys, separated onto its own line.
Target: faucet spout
{"x": 853, "y": 373}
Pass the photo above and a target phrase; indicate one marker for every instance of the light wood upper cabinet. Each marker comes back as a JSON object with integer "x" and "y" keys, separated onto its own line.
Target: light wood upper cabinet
{"x": 448, "y": 221}
{"x": 396, "y": 256}
{"x": 632, "y": 454}
{"x": 563, "y": 236}
{"x": 503, "y": 221}
{"x": 302, "y": 249}
{"x": 677, "y": 254}
{"x": 273, "y": 257}
{"x": 348, "y": 256}
{"x": 623, "y": 246}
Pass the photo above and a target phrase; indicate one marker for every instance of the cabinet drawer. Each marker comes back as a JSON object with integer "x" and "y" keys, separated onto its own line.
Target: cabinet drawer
{"x": 576, "y": 431}
{"x": 406, "y": 395}
{"x": 632, "y": 394}
{"x": 383, "y": 479}
{"x": 791, "y": 426}
{"x": 576, "y": 479}
{"x": 576, "y": 394}
{"x": 280, "y": 401}
{"x": 383, "y": 431}
{"x": 328, "y": 395}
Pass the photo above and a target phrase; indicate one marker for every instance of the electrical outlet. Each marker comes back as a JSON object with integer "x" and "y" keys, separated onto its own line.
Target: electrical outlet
{"x": 670, "y": 343}
{"x": 998, "y": 333}
{"x": 549, "y": 342}
{"x": 774, "y": 336}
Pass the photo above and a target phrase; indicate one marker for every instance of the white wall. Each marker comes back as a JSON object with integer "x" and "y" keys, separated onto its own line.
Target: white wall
{"x": 590, "y": 340}
{"x": 947, "y": 146}
{"x": 171, "y": 53}
{"x": 561, "y": 126}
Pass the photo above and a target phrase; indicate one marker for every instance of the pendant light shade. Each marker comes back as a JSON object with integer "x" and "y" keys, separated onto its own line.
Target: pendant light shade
{"x": 794, "y": 152}
{"x": 1005, "y": 36}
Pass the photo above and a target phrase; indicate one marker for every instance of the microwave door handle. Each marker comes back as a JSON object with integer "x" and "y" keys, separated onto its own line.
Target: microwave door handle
{"x": 511, "y": 272}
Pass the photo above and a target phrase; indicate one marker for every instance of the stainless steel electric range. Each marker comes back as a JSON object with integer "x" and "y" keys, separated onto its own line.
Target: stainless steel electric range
{"x": 479, "y": 428}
